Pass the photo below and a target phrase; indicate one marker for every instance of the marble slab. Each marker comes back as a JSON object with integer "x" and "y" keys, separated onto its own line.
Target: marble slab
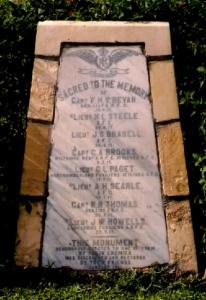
{"x": 104, "y": 208}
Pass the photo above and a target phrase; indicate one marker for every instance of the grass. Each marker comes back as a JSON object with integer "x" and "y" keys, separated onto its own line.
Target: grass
{"x": 156, "y": 283}
{"x": 77, "y": 292}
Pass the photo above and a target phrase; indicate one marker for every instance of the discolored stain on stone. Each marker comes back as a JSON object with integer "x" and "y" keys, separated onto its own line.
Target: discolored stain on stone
{"x": 172, "y": 160}
{"x": 35, "y": 164}
{"x": 29, "y": 234}
{"x": 163, "y": 90}
{"x": 42, "y": 95}
{"x": 180, "y": 235}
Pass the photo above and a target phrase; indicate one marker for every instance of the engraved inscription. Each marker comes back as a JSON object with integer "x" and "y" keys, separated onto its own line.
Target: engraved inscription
{"x": 104, "y": 208}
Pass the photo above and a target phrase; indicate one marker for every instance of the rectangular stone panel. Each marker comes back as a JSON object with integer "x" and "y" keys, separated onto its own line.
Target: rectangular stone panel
{"x": 163, "y": 91}
{"x": 35, "y": 166}
{"x": 29, "y": 234}
{"x": 41, "y": 105}
{"x": 172, "y": 160}
{"x": 104, "y": 209}
{"x": 180, "y": 235}
{"x": 155, "y": 35}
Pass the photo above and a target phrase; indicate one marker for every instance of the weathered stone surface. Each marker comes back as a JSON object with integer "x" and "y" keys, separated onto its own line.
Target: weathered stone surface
{"x": 163, "y": 91}
{"x": 29, "y": 234}
{"x": 155, "y": 35}
{"x": 44, "y": 78}
{"x": 180, "y": 235}
{"x": 104, "y": 209}
{"x": 172, "y": 160}
{"x": 35, "y": 164}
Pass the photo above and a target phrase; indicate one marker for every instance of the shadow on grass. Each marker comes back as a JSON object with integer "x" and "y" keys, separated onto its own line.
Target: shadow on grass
{"x": 152, "y": 279}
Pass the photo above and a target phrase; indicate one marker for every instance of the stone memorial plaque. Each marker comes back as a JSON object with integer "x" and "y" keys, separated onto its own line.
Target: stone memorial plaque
{"x": 104, "y": 208}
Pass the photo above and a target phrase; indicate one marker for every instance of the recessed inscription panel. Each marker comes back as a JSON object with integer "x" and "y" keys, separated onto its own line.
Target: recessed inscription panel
{"x": 104, "y": 209}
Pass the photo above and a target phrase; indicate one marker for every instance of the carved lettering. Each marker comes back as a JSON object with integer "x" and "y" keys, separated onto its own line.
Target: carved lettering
{"x": 104, "y": 207}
